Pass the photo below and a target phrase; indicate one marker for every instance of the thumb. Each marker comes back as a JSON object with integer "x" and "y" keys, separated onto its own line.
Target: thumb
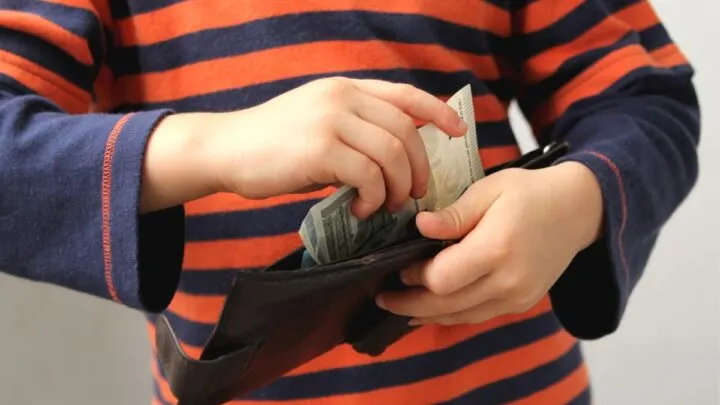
{"x": 459, "y": 218}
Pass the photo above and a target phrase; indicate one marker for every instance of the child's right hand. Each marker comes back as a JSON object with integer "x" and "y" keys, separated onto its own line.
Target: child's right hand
{"x": 331, "y": 131}
{"x": 327, "y": 132}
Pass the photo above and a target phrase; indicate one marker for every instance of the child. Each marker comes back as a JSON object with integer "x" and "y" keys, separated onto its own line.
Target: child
{"x": 149, "y": 150}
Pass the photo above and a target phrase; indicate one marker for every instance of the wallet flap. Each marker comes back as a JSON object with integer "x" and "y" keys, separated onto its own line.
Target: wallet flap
{"x": 194, "y": 381}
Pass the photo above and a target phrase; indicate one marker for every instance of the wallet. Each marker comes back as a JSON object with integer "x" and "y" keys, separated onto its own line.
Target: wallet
{"x": 279, "y": 318}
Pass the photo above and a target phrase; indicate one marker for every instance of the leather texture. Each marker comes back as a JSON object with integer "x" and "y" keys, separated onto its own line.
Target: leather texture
{"x": 284, "y": 316}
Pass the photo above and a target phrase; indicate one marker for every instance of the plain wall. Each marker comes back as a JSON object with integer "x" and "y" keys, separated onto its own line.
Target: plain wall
{"x": 62, "y": 347}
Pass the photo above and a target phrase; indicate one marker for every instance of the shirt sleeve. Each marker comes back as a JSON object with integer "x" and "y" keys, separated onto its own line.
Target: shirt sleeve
{"x": 70, "y": 179}
{"x": 606, "y": 77}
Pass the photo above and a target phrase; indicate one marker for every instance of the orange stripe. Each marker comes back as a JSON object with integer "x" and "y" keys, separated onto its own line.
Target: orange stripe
{"x": 496, "y": 155}
{"x": 592, "y": 81}
{"x": 484, "y": 372}
{"x": 34, "y": 25}
{"x": 224, "y": 202}
{"x": 197, "y": 15}
{"x": 639, "y": 16}
{"x": 241, "y": 253}
{"x": 299, "y": 60}
{"x": 44, "y": 82}
{"x": 544, "y": 13}
{"x": 437, "y": 337}
{"x": 543, "y": 65}
{"x": 562, "y": 392}
{"x": 100, "y": 8}
{"x": 197, "y": 308}
{"x": 669, "y": 56}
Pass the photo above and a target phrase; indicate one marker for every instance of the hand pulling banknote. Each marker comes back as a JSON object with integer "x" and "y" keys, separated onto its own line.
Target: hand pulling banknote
{"x": 330, "y": 232}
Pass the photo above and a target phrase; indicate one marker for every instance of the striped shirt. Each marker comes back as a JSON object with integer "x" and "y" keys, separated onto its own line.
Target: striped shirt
{"x": 84, "y": 82}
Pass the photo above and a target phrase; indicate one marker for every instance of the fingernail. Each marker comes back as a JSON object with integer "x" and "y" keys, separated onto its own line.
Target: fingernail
{"x": 414, "y": 322}
{"x": 380, "y": 302}
{"x": 462, "y": 125}
{"x": 406, "y": 276}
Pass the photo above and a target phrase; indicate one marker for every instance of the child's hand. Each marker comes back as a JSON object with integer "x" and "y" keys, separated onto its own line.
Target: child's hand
{"x": 520, "y": 230}
{"x": 331, "y": 131}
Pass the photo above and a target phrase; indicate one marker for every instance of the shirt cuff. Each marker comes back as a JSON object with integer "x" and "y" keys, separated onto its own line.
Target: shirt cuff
{"x": 142, "y": 254}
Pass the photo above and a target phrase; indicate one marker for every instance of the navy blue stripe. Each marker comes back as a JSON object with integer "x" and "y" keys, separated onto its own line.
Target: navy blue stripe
{"x": 209, "y": 282}
{"x": 438, "y": 83}
{"x": 192, "y": 333}
{"x": 494, "y": 133}
{"x": 538, "y": 94}
{"x": 525, "y": 384}
{"x": 276, "y": 220}
{"x": 585, "y": 398}
{"x": 580, "y": 20}
{"x": 72, "y": 19}
{"x": 409, "y": 370}
{"x": 654, "y": 37}
{"x": 302, "y": 28}
{"x": 509, "y": 5}
{"x": 127, "y": 8}
{"x": 47, "y": 55}
{"x": 617, "y": 5}
{"x": 76, "y": 20}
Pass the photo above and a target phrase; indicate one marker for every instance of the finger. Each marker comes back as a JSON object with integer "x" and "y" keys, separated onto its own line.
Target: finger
{"x": 456, "y": 220}
{"x": 357, "y": 170}
{"x": 417, "y": 103}
{"x": 385, "y": 115}
{"x": 484, "y": 250}
{"x": 420, "y": 302}
{"x": 477, "y": 314}
{"x": 412, "y": 276}
{"x": 386, "y": 151}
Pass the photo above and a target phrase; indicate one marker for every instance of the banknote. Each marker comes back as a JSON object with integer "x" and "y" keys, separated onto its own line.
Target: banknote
{"x": 330, "y": 232}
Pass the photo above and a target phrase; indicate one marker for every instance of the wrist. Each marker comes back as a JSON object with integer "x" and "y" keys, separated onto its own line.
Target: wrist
{"x": 582, "y": 195}
{"x": 178, "y": 163}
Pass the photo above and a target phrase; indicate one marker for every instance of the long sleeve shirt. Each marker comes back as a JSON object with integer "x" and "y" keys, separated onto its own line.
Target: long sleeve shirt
{"x": 83, "y": 83}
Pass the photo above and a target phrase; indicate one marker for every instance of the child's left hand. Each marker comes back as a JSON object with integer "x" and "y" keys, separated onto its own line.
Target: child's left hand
{"x": 520, "y": 230}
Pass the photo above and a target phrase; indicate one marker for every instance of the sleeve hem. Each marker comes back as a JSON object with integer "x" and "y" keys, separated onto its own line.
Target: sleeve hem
{"x": 142, "y": 254}
{"x": 590, "y": 297}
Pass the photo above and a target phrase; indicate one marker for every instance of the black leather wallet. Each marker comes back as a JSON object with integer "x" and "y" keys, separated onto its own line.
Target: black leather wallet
{"x": 278, "y": 319}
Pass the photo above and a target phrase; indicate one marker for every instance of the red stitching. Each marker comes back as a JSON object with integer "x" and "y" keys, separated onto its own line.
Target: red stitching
{"x": 623, "y": 204}
{"x": 106, "y": 208}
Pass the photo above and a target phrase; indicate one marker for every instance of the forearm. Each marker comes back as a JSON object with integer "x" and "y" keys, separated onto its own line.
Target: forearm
{"x": 177, "y": 163}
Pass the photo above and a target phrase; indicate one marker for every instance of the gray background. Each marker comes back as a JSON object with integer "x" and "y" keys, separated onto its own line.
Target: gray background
{"x": 66, "y": 348}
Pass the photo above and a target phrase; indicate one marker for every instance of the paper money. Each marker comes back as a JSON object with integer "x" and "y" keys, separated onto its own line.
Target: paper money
{"x": 330, "y": 232}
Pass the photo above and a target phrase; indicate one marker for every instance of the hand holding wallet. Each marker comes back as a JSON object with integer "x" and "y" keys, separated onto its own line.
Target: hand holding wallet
{"x": 286, "y": 315}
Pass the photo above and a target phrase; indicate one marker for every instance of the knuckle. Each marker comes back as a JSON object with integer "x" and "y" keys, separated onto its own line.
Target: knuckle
{"x": 521, "y": 304}
{"x": 455, "y": 217}
{"x": 335, "y": 88}
{"x": 394, "y": 150}
{"x": 373, "y": 173}
{"x": 500, "y": 251}
{"x": 406, "y": 90}
{"x": 406, "y": 126}
{"x": 507, "y": 286}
